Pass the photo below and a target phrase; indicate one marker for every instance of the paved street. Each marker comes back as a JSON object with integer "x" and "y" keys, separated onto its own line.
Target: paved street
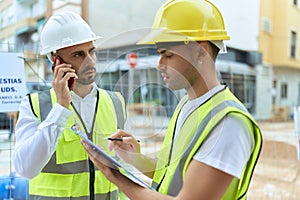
{"x": 277, "y": 174}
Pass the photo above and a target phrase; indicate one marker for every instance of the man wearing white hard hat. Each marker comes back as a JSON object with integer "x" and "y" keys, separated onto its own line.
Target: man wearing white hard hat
{"x": 47, "y": 151}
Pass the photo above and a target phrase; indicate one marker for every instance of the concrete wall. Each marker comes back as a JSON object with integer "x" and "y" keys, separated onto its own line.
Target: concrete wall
{"x": 264, "y": 78}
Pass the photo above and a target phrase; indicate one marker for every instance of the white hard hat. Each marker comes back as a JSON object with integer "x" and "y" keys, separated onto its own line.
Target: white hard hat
{"x": 63, "y": 30}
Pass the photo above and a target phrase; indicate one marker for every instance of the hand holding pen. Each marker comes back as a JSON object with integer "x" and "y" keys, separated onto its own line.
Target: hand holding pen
{"x": 118, "y": 139}
{"x": 125, "y": 145}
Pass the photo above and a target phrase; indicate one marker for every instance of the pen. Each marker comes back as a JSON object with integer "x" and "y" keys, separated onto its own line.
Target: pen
{"x": 119, "y": 139}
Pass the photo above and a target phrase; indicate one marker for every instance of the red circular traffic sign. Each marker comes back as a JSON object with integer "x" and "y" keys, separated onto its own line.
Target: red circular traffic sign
{"x": 132, "y": 59}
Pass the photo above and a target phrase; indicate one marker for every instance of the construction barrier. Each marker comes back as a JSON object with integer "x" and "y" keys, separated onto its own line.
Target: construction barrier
{"x": 13, "y": 187}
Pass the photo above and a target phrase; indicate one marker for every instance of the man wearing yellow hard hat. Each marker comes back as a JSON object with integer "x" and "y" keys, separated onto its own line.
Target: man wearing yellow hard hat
{"x": 212, "y": 143}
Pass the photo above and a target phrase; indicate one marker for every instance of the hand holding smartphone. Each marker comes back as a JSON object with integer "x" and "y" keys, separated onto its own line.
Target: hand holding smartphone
{"x": 72, "y": 80}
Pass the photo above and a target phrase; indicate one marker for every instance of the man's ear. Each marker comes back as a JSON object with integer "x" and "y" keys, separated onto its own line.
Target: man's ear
{"x": 203, "y": 48}
{"x": 208, "y": 49}
{"x": 205, "y": 45}
{"x": 53, "y": 58}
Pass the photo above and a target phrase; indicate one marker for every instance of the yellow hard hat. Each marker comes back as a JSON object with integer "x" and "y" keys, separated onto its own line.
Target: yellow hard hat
{"x": 186, "y": 20}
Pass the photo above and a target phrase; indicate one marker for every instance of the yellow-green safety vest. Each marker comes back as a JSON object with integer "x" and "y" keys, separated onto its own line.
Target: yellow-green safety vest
{"x": 175, "y": 156}
{"x": 69, "y": 174}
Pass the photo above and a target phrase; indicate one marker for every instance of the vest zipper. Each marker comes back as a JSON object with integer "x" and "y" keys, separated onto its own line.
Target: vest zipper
{"x": 90, "y": 136}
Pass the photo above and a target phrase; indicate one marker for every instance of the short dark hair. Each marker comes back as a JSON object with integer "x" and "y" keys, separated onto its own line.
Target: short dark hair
{"x": 215, "y": 50}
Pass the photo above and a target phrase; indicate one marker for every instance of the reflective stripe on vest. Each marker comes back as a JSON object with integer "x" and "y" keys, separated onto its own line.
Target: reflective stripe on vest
{"x": 169, "y": 180}
{"x": 119, "y": 105}
{"x": 112, "y": 195}
{"x": 67, "y": 172}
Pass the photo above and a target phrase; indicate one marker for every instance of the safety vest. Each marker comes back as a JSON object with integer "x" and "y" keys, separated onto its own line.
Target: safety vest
{"x": 175, "y": 156}
{"x": 69, "y": 174}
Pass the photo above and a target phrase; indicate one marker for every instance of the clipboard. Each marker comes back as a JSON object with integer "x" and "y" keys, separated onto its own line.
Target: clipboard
{"x": 108, "y": 160}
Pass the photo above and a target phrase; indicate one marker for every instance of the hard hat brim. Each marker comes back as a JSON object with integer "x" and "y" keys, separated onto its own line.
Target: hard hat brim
{"x": 166, "y": 35}
{"x": 52, "y": 49}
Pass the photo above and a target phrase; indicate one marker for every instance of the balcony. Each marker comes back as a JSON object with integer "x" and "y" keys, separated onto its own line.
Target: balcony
{"x": 18, "y": 27}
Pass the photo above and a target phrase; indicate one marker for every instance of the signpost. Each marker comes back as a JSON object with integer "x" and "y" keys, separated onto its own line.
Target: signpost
{"x": 132, "y": 59}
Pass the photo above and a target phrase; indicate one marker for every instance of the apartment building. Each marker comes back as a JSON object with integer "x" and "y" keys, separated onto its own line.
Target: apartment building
{"x": 270, "y": 29}
{"x": 279, "y": 41}
{"x": 20, "y": 24}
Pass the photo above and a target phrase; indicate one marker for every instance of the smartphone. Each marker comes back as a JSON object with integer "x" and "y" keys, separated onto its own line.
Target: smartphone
{"x": 71, "y": 81}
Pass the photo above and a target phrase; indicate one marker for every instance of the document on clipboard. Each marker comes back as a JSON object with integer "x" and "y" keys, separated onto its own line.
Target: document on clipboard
{"x": 110, "y": 161}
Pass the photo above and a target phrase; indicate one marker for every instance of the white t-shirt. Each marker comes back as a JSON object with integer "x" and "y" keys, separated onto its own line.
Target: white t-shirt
{"x": 229, "y": 145}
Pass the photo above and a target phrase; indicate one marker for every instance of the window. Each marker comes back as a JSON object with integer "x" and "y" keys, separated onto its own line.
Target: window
{"x": 295, "y": 2}
{"x": 243, "y": 86}
{"x": 266, "y": 25}
{"x": 8, "y": 16}
{"x": 284, "y": 89}
{"x": 293, "y": 44}
{"x": 274, "y": 92}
